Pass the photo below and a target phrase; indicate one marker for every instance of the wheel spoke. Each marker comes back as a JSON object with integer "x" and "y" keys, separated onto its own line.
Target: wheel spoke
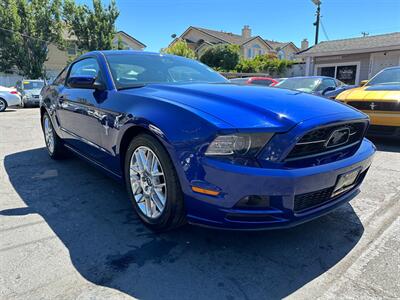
{"x": 139, "y": 198}
{"x": 135, "y": 187}
{"x": 157, "y": 201}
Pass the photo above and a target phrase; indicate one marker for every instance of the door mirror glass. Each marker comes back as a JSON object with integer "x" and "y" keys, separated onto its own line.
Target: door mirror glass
{"x": 81, "y": 82}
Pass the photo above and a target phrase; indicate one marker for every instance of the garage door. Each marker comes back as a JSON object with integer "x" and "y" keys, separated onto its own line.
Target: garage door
{"x": 384, "y": 60}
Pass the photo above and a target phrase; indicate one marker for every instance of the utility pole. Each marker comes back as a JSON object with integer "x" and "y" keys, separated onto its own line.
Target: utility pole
{"x": 316, "y": 23}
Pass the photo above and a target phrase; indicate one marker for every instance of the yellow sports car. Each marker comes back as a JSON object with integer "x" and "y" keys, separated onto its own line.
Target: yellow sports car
{"x": 380, "y": 99}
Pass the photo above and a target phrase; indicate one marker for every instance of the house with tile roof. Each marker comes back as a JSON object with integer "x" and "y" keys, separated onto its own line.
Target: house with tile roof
{"x": 199, "y": 39}
{"x": 355, "y": 59}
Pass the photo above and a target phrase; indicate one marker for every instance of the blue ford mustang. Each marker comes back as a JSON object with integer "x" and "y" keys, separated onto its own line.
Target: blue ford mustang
{"x": 191, "y": 147}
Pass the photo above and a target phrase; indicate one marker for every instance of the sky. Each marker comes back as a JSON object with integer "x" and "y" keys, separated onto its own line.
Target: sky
{"x": 154, "y": 21}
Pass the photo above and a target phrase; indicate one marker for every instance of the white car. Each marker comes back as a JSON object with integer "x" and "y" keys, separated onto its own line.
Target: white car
{"x": 8, "y": 97}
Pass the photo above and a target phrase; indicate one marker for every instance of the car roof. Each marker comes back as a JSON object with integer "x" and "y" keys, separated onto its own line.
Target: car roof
{"x": 316, "y": 77}
{"x": 119, "y": 52}
{"x": 391, "y": 68}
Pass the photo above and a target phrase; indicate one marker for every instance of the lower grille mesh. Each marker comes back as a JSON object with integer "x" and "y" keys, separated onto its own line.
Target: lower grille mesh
{"x": 310, "y": 200}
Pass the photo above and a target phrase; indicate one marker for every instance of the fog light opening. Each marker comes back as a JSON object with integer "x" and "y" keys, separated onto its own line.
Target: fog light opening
{"x": 253, "y": 202}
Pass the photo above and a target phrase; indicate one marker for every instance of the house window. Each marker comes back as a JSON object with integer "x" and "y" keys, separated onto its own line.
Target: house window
{"x": 256, "y": 50}
{"x": 281, "y": 54}
{"x": 249, "y": 53}
{"x": 347, "y": 73}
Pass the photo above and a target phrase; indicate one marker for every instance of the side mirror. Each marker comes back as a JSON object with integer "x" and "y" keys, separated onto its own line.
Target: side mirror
{"x": 328, "y": 89}
{"x": 81, "y": 82}
{"x": 85, "y": 82}
{"x": 363, "y": 82}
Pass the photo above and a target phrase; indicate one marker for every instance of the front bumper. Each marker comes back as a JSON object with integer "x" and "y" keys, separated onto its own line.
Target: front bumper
{"x": 281, "y": 186}
{"x": 31, "y": 100}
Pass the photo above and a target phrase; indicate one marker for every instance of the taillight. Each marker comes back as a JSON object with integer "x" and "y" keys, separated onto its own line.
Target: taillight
{"x": 14, "y": 92}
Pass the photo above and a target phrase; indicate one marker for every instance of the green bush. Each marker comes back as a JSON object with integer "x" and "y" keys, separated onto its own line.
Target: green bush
{"x": 268, "y": 63}
{"x": 221, "y": 57}
{"x": 180, "y": 48}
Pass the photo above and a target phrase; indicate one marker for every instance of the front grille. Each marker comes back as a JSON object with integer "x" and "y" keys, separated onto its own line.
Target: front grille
{"x": 384, "y": 130}
{"x": 376, "y": 105}
{"x": 321, "y": 140}
{"x": 310, "y": 200}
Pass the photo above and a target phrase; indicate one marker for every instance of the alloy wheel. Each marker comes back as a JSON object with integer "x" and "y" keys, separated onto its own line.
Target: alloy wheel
{"x": 2, "y": 105}
{"x": 48, "y": 134}
{"x": 148, "y": 182}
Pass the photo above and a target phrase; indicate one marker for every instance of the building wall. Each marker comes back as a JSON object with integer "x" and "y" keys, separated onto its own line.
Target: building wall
{"x": 9, "y": 80}
{"x": 128, "y": 43}
{"x": 56, "y": 59}
{"x": 290, "y": 52}
{"x": 297, "y": 69}
{"x": 363, "y": 58}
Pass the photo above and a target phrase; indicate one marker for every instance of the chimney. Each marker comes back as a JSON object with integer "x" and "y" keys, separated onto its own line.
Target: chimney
{"x": 246, "y": 31}
{"x": 304, "y": 44}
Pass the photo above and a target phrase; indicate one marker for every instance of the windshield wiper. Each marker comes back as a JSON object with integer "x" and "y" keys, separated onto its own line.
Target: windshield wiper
{"x": 139, "y": 85}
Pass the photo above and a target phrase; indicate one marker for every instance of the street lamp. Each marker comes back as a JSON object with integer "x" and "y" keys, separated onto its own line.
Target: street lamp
{"x": 316, "y": 23}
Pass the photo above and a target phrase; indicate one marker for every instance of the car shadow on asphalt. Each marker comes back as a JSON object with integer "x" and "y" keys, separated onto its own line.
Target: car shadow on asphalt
{"x": 109, "y": 246}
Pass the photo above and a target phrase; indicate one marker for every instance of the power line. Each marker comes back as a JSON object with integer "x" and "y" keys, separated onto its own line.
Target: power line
{"x": 323, "y": 29}
{"x": 34, "y": 38}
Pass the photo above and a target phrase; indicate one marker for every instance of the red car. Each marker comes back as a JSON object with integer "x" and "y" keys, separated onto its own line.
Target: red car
{"x": 266, "y": 81}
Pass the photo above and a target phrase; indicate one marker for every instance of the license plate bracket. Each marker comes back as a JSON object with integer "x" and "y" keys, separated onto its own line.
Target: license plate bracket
{"x": 345, "y": 182}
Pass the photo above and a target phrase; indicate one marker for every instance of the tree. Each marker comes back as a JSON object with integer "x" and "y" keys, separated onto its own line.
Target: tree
{"x": 120, "y": 44}
{"x": 31, "y": 25}
{"x": 221, "y": 57}
{"x": 94, "y": 28}
{"x": 181, "y": 48}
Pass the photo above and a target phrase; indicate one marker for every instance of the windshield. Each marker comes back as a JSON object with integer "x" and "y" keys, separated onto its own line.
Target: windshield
{"x": 132, "y": 70}
{"x": 300, "y": 84}
{"x": 389, "y": 76}
{"x": 33, "y": 85}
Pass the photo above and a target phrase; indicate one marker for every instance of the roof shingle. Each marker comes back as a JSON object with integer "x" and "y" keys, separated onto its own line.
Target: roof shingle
{"x": 354, "y": 44}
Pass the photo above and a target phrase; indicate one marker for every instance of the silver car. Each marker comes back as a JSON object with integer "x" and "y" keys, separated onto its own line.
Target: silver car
{"x": 30, "y": 92}
{"x": 8, "y": 97}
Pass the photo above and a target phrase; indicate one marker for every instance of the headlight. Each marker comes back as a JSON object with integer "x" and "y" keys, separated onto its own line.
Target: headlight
{"x": 241, "y": 145}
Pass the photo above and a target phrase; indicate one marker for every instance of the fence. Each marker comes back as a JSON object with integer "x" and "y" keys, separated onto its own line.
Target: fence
{"x": 9, "y": 79}
{"x": 297, "y": 69}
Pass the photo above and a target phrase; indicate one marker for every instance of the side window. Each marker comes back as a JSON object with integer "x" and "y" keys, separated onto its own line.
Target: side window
{"x": 325, "y": 84}
{"x": 85, "y": 67}
{"x": 60, "y": 79}
{"x": 265, "y": 82}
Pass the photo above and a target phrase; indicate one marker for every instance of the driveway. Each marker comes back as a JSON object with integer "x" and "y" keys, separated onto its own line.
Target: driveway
{"x": 68, "y": 231}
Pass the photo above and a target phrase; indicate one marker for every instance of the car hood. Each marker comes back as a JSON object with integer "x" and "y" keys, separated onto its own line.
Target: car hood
{"x": 373, "y": 92}
{"x": 248, "y": 106}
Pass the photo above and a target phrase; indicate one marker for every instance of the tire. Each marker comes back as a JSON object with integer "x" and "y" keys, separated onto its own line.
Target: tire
{"x": 173, "y": 213}
{"x": 55, "y": 149}
{"x": 23, "y": 103}
{"x": 3, "y": 105}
